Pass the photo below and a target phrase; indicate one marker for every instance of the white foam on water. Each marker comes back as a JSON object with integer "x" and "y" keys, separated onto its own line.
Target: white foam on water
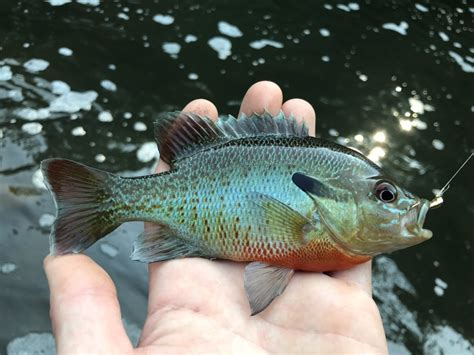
{"x": 193, "y": 76}
{"x": 112, "y": 66}
{"x": 222, "y": 46}
{"x": 78, "y": 131}
{"x": 59, "y": 87}
{"x": 468, "y": 68}
{"x": 421, "y": 8}
{"x": 171, "y": 48}
{"x": 147, "y": 152}
{"x": 437, "y": 144}
{"x": 363, "y": 77}
{"x": 343, "y": 7}
{"x": 261, "y": 43}
{"x": 46, "y": 220}
{"x": 67, "y": 52}
{"x": 36, "y": 65}
{"x": 401, "y": 28}
{"x": 333, "y": 132}
{"x": 325, "y": 58}
{"x": 328, "y": 6}
{"x": 58, "y": 2}
{"x": 324, "y": 32}
{"x": 100, "y": 158}
{"x": 105, "y": 116}
{"x": 32, "y": 128}
{"x": 89, "y": 2}
{"x": 127, "y": 115}
{"x": 163, "y": 19}
{"x": 73, "y": 101}
{"x": 5, "y": 73}
{"x": 32, "y": 344}
{"x": 139, "y": 126}
{"x": 38, "y": 179}
{"x": 443, "y": 36}
{"x": 380, "y": 137}
{"x": 108, "y": 85}
{"x": 190, "y": 38}
{"x": 229, "y": 30}
{"x": 32, "y": 114}
{"x": 108, "y": 249}
{"x": 445, "y": 340}
{"x": 7, "y": 268}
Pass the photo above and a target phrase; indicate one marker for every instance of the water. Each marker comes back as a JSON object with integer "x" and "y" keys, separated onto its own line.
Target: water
{"x": 83, "y": 80}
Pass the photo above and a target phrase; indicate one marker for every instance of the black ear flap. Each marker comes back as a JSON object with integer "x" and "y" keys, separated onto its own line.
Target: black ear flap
{"x": 313, "y": 186}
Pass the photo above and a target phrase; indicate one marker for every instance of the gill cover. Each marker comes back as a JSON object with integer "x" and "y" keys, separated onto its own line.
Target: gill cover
{"x": 335, "y": 206}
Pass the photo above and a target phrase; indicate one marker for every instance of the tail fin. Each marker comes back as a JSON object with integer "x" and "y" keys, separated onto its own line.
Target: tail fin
{"x": 82, "y": 198}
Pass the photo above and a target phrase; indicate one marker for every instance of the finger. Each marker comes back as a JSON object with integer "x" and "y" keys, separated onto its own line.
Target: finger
{"x": 200, "y": 107}
{"x": 303, "y": 111}
{"x": 360, "y": 275}
{"x": 264, "y": 95}
{"x": 85, "y": 311}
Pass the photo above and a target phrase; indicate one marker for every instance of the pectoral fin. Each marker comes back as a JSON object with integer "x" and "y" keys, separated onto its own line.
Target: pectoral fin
{"x": 263, "y": 283}
{"x": 279, "y": 220}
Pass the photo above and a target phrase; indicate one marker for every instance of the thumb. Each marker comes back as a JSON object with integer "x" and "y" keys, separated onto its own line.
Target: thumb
{"x": 85, "y": 311}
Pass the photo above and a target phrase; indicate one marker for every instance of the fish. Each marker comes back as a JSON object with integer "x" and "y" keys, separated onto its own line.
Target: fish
{"x": 255, "y": 189}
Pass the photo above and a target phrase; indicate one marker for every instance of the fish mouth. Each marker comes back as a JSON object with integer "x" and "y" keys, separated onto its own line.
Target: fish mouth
{"x": 417, "y": 216}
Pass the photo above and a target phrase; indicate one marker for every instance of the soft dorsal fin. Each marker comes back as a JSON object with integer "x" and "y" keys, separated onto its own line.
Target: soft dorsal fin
{"x": 179, "y": 134}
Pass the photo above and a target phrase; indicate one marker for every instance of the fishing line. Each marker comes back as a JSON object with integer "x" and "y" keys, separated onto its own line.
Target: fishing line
{"x": 438, "y": 199}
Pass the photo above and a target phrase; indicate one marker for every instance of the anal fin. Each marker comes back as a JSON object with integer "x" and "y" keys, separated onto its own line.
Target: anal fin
{"x": 263, "y": 283}
{"x": 158, "y": 243}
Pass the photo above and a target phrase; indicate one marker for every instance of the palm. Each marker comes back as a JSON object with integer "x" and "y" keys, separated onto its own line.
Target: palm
{"x": 202, "y": 307}
{"x": 197, "y": 305}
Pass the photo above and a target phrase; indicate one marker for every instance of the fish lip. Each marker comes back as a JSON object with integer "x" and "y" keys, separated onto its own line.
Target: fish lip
{"x": 418, "y": 230}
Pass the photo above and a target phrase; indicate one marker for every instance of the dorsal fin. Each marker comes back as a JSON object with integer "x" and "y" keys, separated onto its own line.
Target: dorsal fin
{"x": 179, "y": 134}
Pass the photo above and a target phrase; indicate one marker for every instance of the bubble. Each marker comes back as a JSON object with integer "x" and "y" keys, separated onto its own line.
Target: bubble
{"x": 32, "y": 128}
{"x": 139, "y": 126}
{"x": 190, "y": 38}
{"x": 67, "y": 52}
{"x": 108, "y": 249}
{"x": 7, "y": 268}
{"x": 38, "y": 180}
{"x": 172, "y": 48}
{"x": 5, "y": 73}
{"x": 193, "y": 76}
{"x": 147, "y": 152}
{"x": 108, "y": 85}
{"x": 421, "y": 8}
{"x": 36, "y": 65}
{"x": 105, "y": 116}
{"x": 437, "y": 144}
{"x": 229, "y": 30}
{"x": 222, "y": 46}
{"x": 58, "y": 2}
{"x": 324, "y": 32}
{"x": 46, "y": 220}
{"x": 163, "y": 19}
{"x": 100, "y": 158}
{"x": 89, "y": 2}
{"x": 401, "y": 28}
{"x": 261, "y": 43}
{"x": 78, "y": 131}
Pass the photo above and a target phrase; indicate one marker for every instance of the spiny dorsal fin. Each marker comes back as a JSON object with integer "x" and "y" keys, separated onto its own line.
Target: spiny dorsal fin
{"x": 179, "y": 134}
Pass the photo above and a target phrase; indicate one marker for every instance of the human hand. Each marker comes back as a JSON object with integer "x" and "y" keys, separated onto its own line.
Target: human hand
{"x": 197, "y": 305}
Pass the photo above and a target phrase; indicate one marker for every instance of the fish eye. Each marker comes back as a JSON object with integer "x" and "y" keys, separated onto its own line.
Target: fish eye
{"x": 385, "y": 191}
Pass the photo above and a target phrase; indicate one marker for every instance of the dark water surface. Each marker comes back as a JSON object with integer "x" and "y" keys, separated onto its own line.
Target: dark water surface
{"x": 84, "y": 80}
